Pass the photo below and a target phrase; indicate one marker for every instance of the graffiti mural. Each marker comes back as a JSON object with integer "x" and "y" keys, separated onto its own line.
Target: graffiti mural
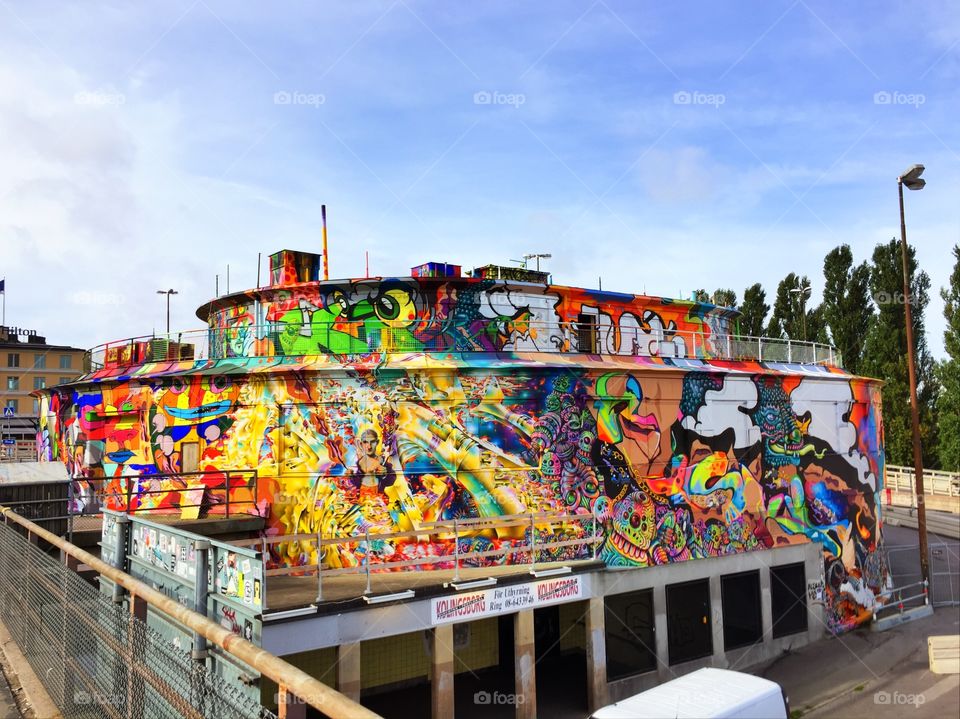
{"x": 373, "y": 407}
{"x": 463, "y": 314}
{"x": 675, "y": 467}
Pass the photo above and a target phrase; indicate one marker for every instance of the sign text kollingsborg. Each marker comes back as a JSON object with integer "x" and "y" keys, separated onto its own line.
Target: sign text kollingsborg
{"x": 501, "y": 600}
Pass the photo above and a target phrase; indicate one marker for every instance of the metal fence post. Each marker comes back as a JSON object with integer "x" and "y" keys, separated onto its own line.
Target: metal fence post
{"x": 120, "y": 553}
{"x": 456, "y": 551}
{"x": 533, "y": 543}
{"x": 366, "y": 557}
{"x": 320, "y": 564}
{"x": 137, "y": 647}
{"x": 202, "y": 564}
{"x": 593, "y": 532}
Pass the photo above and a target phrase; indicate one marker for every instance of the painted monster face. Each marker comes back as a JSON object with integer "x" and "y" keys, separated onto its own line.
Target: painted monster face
{"x": 633, "y": 524}
{"x": 199, "y": 404}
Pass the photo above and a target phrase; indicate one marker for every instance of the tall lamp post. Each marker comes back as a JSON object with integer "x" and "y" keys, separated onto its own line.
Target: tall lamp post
{"x": 804, "y": 291}
{"x": 911, "y": 178}
{"x": 168, "y": 293}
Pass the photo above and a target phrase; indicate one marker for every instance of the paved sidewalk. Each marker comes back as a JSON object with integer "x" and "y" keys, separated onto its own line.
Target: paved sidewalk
{"x": 870, "y": 674}
{"x": 8, "y": 707}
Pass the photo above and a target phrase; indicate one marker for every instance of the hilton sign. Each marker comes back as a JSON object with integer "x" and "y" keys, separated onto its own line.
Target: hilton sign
{"x": 18, "y": 331}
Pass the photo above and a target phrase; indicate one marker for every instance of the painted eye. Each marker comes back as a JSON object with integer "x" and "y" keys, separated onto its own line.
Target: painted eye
{"x": 218, "y": 384}
{"x": 626, "y": 515}
{"x": 177, "y": 385}
{"x": 635, "y": 521}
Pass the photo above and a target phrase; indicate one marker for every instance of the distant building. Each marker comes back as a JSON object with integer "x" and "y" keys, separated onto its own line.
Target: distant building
{"x": 27, "y": 364}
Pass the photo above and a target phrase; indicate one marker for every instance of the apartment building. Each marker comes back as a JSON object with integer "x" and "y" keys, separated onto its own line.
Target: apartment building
{"x": 29, "y": 363}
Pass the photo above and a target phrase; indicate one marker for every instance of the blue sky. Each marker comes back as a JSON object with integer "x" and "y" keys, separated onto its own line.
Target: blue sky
{"x": 662, "y": 147}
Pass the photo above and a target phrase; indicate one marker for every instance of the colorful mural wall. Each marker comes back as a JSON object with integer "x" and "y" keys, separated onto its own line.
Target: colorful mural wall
{"x": 677, "y": 465}
{"x": 407, "y": 314}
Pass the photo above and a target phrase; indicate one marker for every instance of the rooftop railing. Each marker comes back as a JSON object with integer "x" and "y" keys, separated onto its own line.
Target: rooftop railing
{"x": 279, "y": 339}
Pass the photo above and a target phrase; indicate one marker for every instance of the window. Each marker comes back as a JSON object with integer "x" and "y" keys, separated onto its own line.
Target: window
{"x": 63, "y": 380}
{"x": 631, "y": 645}
{"x": 689, "y": 635}
{"x": 39, "y": 382}
{"x": 13, "y": 359}
{"x": 65, "y": 361}
{"x": 742, "y": 623}
{"x": 788, "y": 599}
{"x": 36, "y": 407}
{"x": 13, "y": 404}
{"x": 13, "y": 383}
{"x": 40, "y": 362}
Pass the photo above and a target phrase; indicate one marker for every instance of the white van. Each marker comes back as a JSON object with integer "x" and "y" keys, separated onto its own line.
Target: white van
{"x": 704, "y": 693}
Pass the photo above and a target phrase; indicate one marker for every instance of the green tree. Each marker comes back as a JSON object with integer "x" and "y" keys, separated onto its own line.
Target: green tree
{"x": 948, "y": 404}
{"x": 701, "y": 296}
{"x": 885, "y": 354}
{"x": 791, "y": 312}
{"x": 847, "y": 309}
{"x": 724, "y": 298}
{"x": 753, "y": 312}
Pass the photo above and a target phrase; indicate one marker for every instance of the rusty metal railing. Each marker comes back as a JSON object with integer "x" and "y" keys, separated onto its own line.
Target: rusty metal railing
{"x": 296, "y": 688}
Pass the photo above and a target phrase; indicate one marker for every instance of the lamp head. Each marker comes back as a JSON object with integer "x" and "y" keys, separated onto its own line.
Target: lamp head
{"x": 911, "y": 178}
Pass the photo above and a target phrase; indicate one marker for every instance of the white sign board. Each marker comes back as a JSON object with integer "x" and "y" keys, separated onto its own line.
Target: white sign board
{"x": 467, "y": 606}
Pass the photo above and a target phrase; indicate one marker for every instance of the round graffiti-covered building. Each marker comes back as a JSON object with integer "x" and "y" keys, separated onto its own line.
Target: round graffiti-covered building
{"x": 378, "y": 406}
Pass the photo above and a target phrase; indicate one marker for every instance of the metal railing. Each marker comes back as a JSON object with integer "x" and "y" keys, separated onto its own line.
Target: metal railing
{"x": 211, "y": 491}
{"x": 360, "y": 338}
{"x": 936, "y": 482}
{"x": 98, "y": 659}
{"x": 893, "y": 600}
{"x": 533, "y": 548}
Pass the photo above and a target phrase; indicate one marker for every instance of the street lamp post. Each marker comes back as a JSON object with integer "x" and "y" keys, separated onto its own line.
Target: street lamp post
{"x": 911, "y": 178}
{"x": 804, "y": 292}
{"x": 168, "y": 293}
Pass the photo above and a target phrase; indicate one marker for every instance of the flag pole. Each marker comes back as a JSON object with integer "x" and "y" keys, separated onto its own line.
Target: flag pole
{"x": 326, "y": 262}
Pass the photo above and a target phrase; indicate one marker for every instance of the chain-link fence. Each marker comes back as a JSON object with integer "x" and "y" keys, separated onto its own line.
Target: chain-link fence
{"x": 93, "y": 656}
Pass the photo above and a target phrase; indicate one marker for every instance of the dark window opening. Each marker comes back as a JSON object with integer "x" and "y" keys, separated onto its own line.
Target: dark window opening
{"x": 742, "y": 619}
{"x": 788, "y": 597}
{"x": 689, "y": 633}
{"x": 631, "y": 643}
{"x": 587, "y": 334}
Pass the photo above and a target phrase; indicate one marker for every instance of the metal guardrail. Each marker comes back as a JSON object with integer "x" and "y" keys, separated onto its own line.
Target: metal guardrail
{"x": 936, "y": 482}
{"x": 355, "y": 338}
{"x": 131, "y": 492}
{"x": 100, "y": 660}
{"x": 446, "y": 530}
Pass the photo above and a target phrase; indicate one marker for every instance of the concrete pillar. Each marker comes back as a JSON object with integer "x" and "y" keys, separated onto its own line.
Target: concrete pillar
{"x": 348, "y": 670}
{"x": 525, "y": 682}
{"x": 441, "y": 672}
{"x": 597, "y": 695}
{"x": 716, "y": 622}
{"x": 816, "y": 609}
{"x": 660, "y": 632}
{"x": 766, "y": 608}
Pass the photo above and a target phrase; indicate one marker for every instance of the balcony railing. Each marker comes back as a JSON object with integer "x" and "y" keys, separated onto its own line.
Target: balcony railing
{"x": 361, "y": 338}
